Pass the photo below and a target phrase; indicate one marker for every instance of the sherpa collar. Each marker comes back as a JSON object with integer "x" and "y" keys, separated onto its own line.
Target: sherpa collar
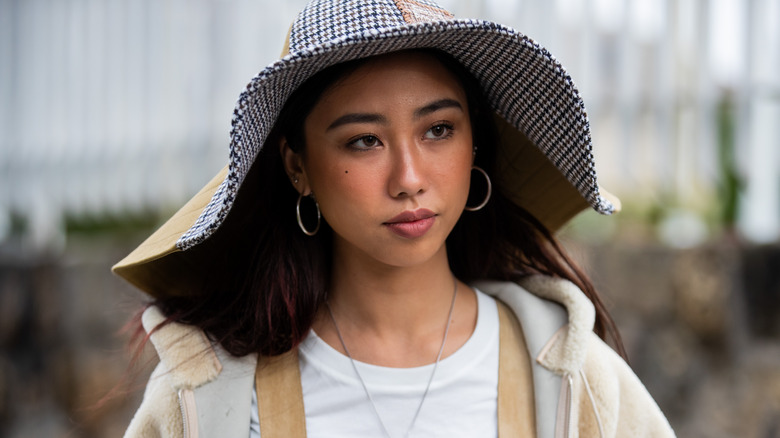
{"x": 557, "y": 327}
{"x": 185, "y": 352}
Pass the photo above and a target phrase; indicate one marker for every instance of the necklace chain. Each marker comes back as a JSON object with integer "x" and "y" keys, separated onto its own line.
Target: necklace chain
{"x": 430, "y": 379}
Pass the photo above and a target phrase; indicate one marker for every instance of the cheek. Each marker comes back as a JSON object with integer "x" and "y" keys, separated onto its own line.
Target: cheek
{"x": 464, "y": 181}
{"x": 339, "y": 189}
{"x": 457, "y": 170}
{"x": 324, "y": 170}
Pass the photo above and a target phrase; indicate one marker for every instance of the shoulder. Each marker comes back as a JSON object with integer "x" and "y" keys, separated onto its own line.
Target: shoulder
{"x": 158, "y": 414}
{"x": 557, "y": 321}
{"x": 192, "y": 364}
{"x": 556, "y": 317}
{"x": 613, "y": 398}
{"x": 187, "y": 354}
{"x": 190, "y": 358}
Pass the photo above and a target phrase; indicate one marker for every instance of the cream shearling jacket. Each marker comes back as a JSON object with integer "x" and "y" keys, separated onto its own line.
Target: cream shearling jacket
{"x": 582, "y": 388}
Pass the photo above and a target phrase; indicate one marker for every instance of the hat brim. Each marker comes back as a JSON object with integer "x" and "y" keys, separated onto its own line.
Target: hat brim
{"x": 145, "y": 267}
{"x": 545, "y": 161}
{"x": 528, "y": 178}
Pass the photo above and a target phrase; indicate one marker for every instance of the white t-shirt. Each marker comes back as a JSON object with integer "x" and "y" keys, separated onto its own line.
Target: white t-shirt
{"x": 461, "y": 402}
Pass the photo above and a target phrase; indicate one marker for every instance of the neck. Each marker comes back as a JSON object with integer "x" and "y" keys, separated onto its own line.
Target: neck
{"x": 380, "y": 297}
{"x": 396, "y": 316}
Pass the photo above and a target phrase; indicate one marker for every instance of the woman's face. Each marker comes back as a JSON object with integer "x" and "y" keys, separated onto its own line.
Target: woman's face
{"x": 388, "y": 156}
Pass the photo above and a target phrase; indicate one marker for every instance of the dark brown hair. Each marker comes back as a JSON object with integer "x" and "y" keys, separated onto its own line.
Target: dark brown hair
{"x": 269, "y": 284}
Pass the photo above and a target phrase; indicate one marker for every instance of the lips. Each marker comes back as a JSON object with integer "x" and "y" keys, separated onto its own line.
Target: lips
{"x": 412, "y": 224}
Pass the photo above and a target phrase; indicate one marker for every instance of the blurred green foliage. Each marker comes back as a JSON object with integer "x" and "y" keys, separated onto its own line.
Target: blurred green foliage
{"x": 730, "y": 183}
{"x": 117, "y": 225}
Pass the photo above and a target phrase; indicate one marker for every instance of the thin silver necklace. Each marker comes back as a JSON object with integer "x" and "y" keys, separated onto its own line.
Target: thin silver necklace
{"x": 430, "y": 380}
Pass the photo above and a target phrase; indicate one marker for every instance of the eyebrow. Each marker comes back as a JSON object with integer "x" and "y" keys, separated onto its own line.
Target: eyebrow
{"x": 357, "y": 118}
{"x": 378, "y": 118}
{"x": 437, "y": 105}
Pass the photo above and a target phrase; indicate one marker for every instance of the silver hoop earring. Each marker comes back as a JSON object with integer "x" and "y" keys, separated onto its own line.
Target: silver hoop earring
{"x": 298, "y": 214}
{"x": 489, "y": 191}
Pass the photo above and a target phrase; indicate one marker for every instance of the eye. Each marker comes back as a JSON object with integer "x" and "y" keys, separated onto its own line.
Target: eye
{"x": 364, "y": 142}
{"x": 439, "y": 131}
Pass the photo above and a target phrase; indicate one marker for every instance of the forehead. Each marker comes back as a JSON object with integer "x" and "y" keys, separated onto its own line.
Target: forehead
{"x": 396, "y": 77}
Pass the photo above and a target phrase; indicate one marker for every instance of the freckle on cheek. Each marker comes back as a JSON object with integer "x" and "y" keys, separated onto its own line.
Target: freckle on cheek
{"x": 346, "y": 171}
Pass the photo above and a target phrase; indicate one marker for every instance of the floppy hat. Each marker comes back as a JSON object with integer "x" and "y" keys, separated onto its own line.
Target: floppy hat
{"x": 544, "y": 157}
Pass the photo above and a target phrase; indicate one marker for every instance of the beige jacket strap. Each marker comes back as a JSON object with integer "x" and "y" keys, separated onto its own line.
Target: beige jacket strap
{"x": 516, "y": 414}
{"x": 280, "y": 396}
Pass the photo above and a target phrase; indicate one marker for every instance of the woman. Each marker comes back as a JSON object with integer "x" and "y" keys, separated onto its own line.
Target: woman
{"x": 329, "y": 282}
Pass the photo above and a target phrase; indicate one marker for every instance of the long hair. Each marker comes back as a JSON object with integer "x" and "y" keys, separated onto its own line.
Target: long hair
{"x": 272, "y": 280}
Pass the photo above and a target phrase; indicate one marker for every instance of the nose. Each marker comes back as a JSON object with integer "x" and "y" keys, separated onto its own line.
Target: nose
{"x": 407, "y": 176}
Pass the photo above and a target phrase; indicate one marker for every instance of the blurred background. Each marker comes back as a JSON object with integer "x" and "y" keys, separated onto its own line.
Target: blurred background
{"x": 114, "y": 112}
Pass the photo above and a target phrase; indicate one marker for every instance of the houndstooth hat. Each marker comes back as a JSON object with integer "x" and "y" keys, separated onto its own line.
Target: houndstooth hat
{"x": 545, "y": 162}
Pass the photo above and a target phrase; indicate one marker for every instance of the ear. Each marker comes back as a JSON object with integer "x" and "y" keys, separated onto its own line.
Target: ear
{"x": 293, "y": 167}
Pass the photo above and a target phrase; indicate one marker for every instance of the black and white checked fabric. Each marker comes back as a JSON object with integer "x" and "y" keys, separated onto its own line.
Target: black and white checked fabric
{"x": 525, "y": 84}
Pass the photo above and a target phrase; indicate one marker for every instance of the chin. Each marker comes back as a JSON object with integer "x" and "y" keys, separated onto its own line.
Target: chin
{"x": 409, "y": 258}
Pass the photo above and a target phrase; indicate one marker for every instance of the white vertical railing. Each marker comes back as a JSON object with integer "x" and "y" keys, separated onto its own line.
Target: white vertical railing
{"x": 116, "y": 106}
{"x": 760, "y": 116}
